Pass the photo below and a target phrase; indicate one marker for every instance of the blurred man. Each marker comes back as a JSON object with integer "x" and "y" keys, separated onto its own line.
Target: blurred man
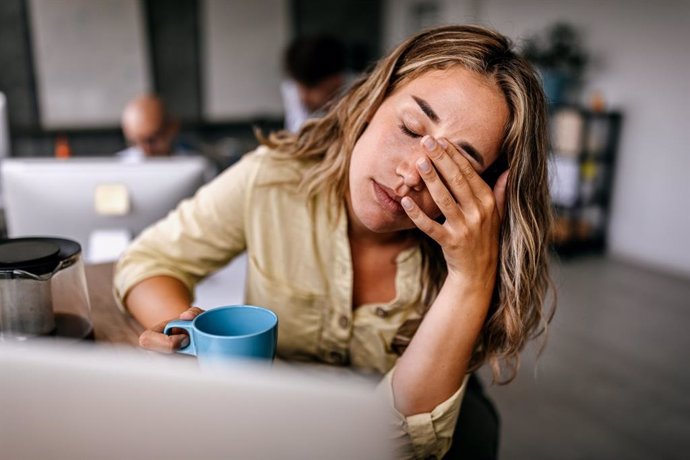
{"x": 148, "y": 129}
{"x": 317, "y": 73}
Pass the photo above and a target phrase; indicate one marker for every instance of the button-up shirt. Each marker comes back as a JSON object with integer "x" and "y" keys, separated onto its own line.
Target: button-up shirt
{"x": 299, "y": 266}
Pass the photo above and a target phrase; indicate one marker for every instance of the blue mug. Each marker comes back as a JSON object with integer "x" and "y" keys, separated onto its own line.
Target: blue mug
{"x": 225, "y": 334}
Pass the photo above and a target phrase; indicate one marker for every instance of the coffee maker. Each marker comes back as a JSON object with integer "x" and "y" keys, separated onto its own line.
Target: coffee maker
{"x": 43, "y": 291}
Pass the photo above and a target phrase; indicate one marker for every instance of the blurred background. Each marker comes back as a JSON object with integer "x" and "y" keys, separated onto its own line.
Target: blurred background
{"x": 612, "y": 380}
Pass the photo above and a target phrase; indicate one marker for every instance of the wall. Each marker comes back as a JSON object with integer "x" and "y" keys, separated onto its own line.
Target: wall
{"x": 243, "y": 44}
{"x": 643, "y": 69}
{"x": 90, "y": 59}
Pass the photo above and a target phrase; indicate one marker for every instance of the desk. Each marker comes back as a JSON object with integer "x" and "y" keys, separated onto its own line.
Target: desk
{"x": 109, "y": 323}
{"x": 225, "y": 287}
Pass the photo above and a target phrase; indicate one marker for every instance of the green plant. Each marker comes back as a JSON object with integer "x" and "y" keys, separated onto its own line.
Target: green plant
{"x": 558, "y": 49}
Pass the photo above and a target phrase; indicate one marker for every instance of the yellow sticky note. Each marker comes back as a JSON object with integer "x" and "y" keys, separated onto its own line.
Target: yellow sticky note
{"x": 111, "y": 200}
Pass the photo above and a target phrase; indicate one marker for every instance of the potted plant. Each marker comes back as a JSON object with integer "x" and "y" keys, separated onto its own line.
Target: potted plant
{"x": 559, "y": 55}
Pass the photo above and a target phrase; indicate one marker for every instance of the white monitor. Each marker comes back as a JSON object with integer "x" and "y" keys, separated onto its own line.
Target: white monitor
{"x": 4, "y": 135}
{"x": 78, "y": 402}
{"x": 99, "y": 202}
{"x": 4, "y": 128}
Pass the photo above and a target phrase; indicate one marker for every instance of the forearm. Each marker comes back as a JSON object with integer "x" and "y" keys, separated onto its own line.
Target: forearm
{"x": 435, "y": 363}
{"x": 157, "y": 299}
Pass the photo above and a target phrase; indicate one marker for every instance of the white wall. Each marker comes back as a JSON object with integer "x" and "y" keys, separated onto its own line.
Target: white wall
{"x": 642, "y": 51}
{"x": 243, "y": 44}
{"x": 90, "y": 59}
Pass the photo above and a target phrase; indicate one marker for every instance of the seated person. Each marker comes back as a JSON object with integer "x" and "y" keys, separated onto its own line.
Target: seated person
{"x": 149, "y": 130}
{"x": 404, "y": 233}
{"x": 316, "y": 70}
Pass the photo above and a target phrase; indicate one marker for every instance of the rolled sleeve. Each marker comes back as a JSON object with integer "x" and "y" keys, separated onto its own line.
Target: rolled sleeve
{"x": 200, "y": 236}
{"x": 425, "y": 435}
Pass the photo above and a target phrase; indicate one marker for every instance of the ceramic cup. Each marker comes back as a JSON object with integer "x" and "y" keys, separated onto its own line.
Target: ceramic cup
{"x": 225, "y": 334}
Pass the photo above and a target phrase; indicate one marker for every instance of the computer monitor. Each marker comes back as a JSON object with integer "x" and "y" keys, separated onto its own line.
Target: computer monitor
{"x": 4, "y": 144}
{"x": 4, "y": 128}
{"x": 99, "y": 202}
{"x": 71, "y": 401}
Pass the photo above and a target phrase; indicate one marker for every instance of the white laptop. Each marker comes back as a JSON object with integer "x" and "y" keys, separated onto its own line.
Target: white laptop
{"x": 86, "y": 402}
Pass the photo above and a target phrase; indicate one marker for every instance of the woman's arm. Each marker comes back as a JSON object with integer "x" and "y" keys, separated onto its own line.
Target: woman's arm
{"x": 156, "y": 299}
{"x": 435, "y": 363}
{"x": 154, "y": 277}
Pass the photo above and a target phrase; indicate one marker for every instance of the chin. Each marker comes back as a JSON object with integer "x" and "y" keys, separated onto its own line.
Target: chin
{"x": 382, "y": 223}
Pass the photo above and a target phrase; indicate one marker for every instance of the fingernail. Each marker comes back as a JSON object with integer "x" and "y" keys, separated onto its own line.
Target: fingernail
{"x": 424, "y": 165}
{"x": 406, "y": 203}
{"x": 443, "y": 143}
{"x": 185, "y": 342}
{"x": 429, "y": 143}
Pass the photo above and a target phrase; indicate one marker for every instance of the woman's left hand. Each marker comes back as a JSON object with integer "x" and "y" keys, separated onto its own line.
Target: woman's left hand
{"x": 472, "y": 211}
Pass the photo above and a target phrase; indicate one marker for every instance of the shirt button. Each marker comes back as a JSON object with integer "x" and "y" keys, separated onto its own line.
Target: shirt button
{"x": 381, "y": 313}
{"x": 344, "y": 321}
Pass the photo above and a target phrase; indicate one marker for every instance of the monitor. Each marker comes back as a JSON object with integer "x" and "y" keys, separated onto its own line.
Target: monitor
{"x": 99, "y": 202}
{"x": 84, "y": 401}
{"x": 4, "y": 128}
{"x": 4, "y": 143}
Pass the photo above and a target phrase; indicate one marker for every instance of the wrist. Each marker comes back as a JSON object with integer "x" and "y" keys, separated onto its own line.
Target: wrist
{"x": 478, "y": 281}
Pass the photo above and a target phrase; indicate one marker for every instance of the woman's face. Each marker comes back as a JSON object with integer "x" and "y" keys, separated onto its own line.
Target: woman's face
{"x": 464, "y": 107}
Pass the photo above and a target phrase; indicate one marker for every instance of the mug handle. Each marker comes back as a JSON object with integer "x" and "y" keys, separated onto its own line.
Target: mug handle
{"x": 187, "y": 326}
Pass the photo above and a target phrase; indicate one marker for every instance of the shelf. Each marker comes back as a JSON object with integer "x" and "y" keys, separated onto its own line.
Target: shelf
{"x": 584, "y": 145}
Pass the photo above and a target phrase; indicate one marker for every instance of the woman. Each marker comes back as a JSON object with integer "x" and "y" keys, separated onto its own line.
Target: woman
{"x": 377, "y": 233}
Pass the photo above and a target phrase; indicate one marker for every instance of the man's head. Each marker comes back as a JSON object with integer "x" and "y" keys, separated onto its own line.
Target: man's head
{"x": 317, "y": 65}
{"x": 146, "y": 125}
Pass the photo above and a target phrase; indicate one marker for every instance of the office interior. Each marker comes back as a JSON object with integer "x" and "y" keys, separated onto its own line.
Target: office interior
{"x": 610, "y": 379}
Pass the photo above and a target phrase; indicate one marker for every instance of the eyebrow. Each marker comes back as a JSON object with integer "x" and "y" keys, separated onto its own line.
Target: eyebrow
{"x": 433, "y": 116}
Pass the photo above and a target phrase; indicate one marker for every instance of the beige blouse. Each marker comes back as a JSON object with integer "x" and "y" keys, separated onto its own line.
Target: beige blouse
{"x": 300, "y": 267}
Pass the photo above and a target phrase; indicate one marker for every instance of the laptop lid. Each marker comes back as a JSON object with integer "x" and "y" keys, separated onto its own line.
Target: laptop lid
{"x": 90, "y": 402}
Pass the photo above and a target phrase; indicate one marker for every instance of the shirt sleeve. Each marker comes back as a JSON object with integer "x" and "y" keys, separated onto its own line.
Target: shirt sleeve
{"x": 427, "y": 435}
{"x": 200, "y": 236}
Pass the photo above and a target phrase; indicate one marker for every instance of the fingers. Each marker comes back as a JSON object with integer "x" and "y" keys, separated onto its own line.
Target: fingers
{"x": 157, "y": 341}
{"x": 500, "y": 193}
{"x": 421, "y": 220}
{"x": 154, "y": 338}
{"x": 191, "y": 313}
{"x": 475, "y": 182}
{"x": 444, "y": 198}
{"x": 451, "y": 171}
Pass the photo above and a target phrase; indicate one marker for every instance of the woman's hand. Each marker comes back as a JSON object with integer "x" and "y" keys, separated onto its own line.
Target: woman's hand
{"x": 154, "y": 339}
{"x": 472, "y": 211}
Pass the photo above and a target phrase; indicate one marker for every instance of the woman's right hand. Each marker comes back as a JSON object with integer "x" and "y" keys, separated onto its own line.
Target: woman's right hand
{"x": 154, "y": 338}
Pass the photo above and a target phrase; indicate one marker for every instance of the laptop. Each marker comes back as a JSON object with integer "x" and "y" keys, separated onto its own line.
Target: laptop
{"x": 66, "y": 401}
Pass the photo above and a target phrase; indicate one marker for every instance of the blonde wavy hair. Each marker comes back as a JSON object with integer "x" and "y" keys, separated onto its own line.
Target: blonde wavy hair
{"x": 518, "y": 311}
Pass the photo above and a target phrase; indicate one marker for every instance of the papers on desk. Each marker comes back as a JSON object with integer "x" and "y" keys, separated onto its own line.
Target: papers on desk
{"x": 107, "y": 245}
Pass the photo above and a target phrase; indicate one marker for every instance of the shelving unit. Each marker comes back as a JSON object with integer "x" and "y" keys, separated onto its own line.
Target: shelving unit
{"x": 584, "y": 145}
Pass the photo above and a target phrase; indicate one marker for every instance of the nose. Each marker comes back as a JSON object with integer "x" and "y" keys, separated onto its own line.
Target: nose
{"x": 410, "y": 176}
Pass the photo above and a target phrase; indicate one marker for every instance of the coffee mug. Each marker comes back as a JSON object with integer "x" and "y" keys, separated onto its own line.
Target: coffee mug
{"x": 225, "y": 334}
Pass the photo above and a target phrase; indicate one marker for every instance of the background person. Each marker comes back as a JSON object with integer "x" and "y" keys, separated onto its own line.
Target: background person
{"x": 316, "y": 68}
{"x": 377, "y": 233}
{"x": 149, "y": 130}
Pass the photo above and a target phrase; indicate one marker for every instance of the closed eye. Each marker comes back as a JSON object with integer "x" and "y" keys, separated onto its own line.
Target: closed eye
{"x": 408, "y": 132}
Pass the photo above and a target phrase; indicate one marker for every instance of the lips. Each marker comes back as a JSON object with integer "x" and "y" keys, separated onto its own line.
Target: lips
{"x": 387, "y": 199}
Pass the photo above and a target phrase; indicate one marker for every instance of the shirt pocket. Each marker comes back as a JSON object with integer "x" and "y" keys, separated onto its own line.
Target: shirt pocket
{"x": 300, "y": 311}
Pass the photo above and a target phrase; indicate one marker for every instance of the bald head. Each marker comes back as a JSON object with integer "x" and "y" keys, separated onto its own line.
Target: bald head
{"x": 146, "y": 125}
